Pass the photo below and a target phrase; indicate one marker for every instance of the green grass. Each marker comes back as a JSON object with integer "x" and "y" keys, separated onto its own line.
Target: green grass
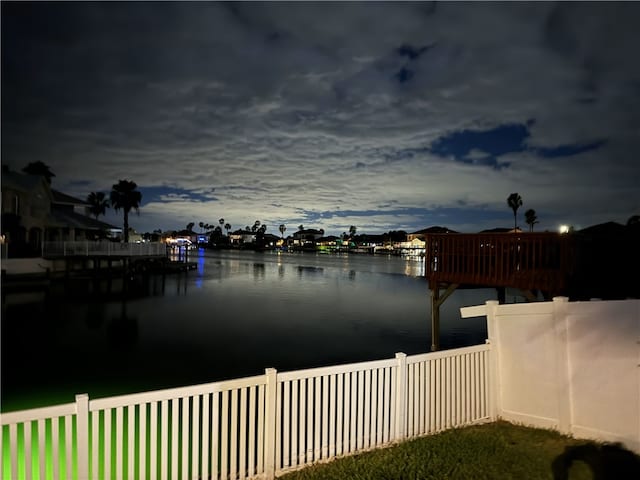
{"x": 499, "y": 450}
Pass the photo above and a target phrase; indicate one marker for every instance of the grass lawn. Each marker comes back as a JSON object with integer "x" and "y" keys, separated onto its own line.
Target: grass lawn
{"x": 498, "y": 450}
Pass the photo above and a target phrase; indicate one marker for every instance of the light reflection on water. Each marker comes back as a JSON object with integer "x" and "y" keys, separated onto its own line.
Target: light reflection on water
{"x": 234, "y": 315}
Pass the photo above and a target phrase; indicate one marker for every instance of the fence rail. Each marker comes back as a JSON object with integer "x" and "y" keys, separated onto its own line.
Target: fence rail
{"x": 254, "y": 427}
{"x": 102, "y": 248}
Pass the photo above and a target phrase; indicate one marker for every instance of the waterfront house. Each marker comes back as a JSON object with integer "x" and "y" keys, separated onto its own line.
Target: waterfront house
{"x": 33, "y": 212}
{"x": 307, "y": 237}
{"x": 241, "y": 236}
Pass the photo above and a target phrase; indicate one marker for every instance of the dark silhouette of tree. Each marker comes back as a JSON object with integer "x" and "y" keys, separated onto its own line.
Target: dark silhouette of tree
{"x": 221, "y": 222}
{"x": 352, "y": 231}
{"x": 98, "y": 203}
{"x": 300, "y": 227}
{"x": 282, "y": 229}
{"x": 515, "y": 202}
{"x": 256, "y": 226}
{"x": 125, "y": 197}
{"x": 227, "y": 227}
{"x": 531, "y": 218}
{"x": 39, "y": 168}
{"x": 190, "y": 226}
{"x": 201, "y": 225}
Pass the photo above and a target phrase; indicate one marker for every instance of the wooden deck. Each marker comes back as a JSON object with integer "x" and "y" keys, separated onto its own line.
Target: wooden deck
{"x": 528, "y": 261}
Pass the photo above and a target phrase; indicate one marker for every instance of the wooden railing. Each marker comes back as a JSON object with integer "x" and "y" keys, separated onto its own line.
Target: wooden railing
{"x": 104, "y": 248}
{"x": 520, "y": 260}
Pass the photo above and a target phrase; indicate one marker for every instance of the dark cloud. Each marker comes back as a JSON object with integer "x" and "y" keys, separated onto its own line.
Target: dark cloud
{"x": 325, "y": 107}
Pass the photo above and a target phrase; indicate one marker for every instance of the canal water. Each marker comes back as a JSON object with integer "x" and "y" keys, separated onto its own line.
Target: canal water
{"x": 234, "y": 315}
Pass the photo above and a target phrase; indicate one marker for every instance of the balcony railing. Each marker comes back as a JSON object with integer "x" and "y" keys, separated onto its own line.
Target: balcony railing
{"x": 107, "y": 249}
{"x": 519, "y": 260}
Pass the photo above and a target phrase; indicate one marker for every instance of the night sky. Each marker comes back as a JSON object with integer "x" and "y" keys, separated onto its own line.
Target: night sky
{"x": 384, "y": 116}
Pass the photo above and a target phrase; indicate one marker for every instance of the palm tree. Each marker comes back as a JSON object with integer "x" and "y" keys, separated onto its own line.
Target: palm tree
{"x": 201, "y": 225}
{"x": 300, "y": 227}
{"x": 352, "y": 231}
{"x": 227, "y": 227}
{"x": 39, "y": 168}
{"x": 98, "y": 203}
{"x": 515, "y": 202}
{"x": 282, "y": 229}
{"x": 125, "y": 196}
{"x": 190, "y": 226}
{"x": 256, "y": 226}
{"x": 221, "y": 222}
{"x": 531, "y": 218}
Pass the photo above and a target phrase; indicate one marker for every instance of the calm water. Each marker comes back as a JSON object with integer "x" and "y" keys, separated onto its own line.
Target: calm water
{"x": 238, "y": 313}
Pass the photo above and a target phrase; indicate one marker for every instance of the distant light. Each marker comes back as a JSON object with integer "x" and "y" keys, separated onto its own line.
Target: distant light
{"x": 564, "y": 228}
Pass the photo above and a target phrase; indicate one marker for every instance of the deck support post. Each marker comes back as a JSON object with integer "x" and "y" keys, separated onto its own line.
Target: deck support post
{"x": 436, "y": 301}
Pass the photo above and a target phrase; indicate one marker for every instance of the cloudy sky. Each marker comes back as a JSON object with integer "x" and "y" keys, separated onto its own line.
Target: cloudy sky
{"x": 384, "y": 116}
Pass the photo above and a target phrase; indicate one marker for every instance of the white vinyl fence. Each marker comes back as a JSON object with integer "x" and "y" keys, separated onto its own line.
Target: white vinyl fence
{"x": 570, "y": 366}
{"x": 255, "y": 427}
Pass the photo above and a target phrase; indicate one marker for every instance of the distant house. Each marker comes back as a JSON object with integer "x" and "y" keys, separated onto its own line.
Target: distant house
{"x": 421, "y": 234}
{"x": 241, "y": 236}
{"x": 33, "y": 213}
{"x": 416, "y": 243}
{"x": 307, "y": 237}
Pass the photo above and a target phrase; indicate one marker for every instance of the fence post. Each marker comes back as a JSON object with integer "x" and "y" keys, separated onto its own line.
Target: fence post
{"x": 270, "y": 423}
{"x": 401, "y": 388}
{"x": 495, "y": 393}
{"x": 82, "y": 434}
{"x": 563, "y": 378}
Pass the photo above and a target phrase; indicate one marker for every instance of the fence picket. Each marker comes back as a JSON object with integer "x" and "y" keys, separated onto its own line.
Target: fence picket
{"x": 332, "y": 415}
{"x": 42, "y": 445}
{"x": 175, "y": 424}
{"x": 324, "y": 449}
{"x": 13, "y": 444}
{"x": 27, "y": 449}
{"x": 242, "y": 443}
{"x": 184, "y": 438}
{"x": 206, "y": 422}
{"x": 195, "y": 438}
{"x": 252, "y": 432}
{"x": 215, "y": 434}
{"x": 224, "y": 435}
{"x": 164, "y": 440}
{"x": 340, "y": 399}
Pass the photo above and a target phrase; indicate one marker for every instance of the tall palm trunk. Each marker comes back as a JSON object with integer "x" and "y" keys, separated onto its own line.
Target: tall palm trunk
{"x": 126, "y": 226}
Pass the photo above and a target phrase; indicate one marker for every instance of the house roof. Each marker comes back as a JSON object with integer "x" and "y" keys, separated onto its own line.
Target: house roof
{"x": 59, "y": 197}
{"x": 607, "y": 228}
{"x": 59, "y": 218}
{"x": 434, "y": 229}
{"x": 22, "y": 182}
